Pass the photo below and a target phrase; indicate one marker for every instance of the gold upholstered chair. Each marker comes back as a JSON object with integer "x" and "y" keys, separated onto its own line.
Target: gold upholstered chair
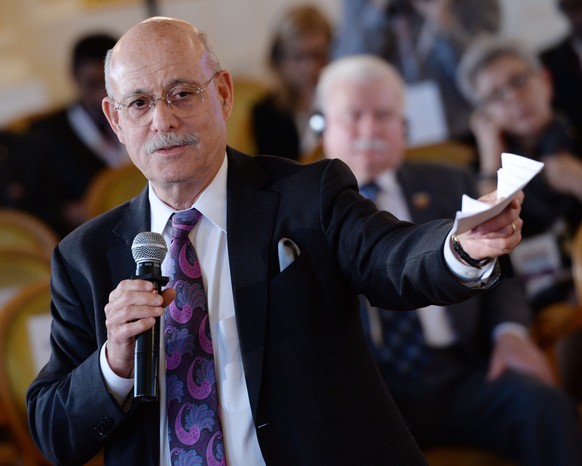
{"x": 29, "y": 308}
{"x": 112, "y": 187}
{"x": 20, "y": 230}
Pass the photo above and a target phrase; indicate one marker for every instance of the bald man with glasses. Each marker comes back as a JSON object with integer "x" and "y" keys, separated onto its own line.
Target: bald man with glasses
{"x": 274, "y": 252}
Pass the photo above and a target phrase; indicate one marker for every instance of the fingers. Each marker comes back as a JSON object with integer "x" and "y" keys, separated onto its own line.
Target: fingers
{"x": 496, "y": 237}
{"x": 496, "y": 368}
{"x": 545, "y": 375}
{"x": 169, "y": 294}
{"x": 497, "y": 243}
{"x": 511, "y": 230}
{"x": 132, "y": 309}
{"x": 129, "y": 304}
{"x": 506, "y": 223}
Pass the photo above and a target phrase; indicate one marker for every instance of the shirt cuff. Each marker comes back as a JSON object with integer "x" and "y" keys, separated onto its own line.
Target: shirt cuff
{"x": 118, "y": 387}
{"x": 467, "y": 274}
{"x": 510, "y": 327}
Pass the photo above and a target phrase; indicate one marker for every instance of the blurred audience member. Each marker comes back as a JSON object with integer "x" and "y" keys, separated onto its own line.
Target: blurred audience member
{"x": 475, "y": 374}
{"x": 25, "y": 179}
{"x": 512, "y": 95}
{"x": 424, "y": 39}
{"x": 77, "y": 139}
{"x": 564, "y": 61}
{"x": 298, "y": 51}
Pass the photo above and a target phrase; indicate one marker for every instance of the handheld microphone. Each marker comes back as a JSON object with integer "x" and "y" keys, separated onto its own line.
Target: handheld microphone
{"x": 149, "y": 250}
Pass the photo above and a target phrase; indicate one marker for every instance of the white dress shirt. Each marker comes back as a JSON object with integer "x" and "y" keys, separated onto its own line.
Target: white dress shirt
{"x": 209, "y": 238}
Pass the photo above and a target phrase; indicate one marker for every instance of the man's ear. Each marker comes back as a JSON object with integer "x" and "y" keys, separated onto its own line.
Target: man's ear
{"x": 112, "y": 115}
{"x": 225, "y": 88}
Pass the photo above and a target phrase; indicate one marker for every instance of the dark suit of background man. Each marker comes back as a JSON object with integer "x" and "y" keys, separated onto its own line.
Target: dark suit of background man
{"x": 483, "y": 376}
{"x": 297, "y": 384}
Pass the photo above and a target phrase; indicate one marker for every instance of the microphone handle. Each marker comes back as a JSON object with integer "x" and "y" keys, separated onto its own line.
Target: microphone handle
{"x": 147, "y": 344}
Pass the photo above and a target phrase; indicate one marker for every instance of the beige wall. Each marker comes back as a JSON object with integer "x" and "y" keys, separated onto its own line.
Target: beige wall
{"x": 36, "y": 36}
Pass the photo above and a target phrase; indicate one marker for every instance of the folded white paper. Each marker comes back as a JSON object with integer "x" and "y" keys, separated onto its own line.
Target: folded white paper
{"x": 514, "y": 174}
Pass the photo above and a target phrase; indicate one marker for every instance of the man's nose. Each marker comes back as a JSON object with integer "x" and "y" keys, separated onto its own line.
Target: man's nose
{"x": 163, "y": 116}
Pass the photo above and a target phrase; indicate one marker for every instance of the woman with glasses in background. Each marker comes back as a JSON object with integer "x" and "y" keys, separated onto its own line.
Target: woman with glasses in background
{"x": 298, "y": 51}
{"x": 512, "y": 97}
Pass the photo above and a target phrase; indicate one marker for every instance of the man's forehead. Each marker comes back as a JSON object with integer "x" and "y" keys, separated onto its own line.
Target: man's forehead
{"x": 136, "y": 81}
{"x": 133, "y": 72}
{"x": 365, "y": 94}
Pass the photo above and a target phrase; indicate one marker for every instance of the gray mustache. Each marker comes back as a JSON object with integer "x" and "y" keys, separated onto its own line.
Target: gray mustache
{"x": 370, "y": 144}
{"x": 169, "y": 140}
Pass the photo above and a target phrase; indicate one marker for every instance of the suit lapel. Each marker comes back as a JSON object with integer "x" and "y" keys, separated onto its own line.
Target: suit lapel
{"x": 250, "y": 232}
{"x": 135, "y": 220}
{"x": 418, "y": 198}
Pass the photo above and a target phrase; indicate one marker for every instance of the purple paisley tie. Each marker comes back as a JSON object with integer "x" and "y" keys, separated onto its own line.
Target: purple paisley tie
{"x": 194, "y": 427}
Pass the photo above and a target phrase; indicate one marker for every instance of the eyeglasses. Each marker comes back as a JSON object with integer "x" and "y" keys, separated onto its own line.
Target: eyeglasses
{"x": 137, "y": 110}
{"x": 515, "y": 83}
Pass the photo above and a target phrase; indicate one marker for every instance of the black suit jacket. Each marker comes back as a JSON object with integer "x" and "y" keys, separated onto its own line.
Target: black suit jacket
{"x": 315, "y": 393}
{"x": 26, "y": 179}
{"x": 275, "y": 130}
{"x": 75, "y": 163}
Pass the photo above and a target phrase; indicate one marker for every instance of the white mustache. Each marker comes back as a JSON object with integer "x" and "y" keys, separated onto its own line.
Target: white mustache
{"x": 170, "y": 140}
{"x": 370, "y": 144}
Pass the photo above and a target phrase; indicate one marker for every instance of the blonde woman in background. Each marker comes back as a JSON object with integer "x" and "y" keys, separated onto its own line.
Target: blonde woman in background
{"x": 298, "y": 51}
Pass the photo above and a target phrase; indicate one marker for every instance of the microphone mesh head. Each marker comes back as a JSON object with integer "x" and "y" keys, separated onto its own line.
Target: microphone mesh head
{"x": 149, "y": 247}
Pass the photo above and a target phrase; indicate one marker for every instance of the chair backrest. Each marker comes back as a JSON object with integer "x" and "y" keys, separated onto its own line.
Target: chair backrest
{"x": 24, "y": 327}
{"x": 112, "y": 187}
{"x": 23, "y": 231}
{"x": 247, "y": 92}
{"x": 20, "y": 267}
{"x": 451, "y": 152}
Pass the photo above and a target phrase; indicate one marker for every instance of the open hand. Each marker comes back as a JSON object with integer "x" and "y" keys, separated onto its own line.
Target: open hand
{"x": 498, "y": 235}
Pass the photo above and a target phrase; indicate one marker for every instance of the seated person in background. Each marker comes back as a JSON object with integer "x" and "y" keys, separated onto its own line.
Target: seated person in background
{"x": 298, "y": 51}
{"x": 564, "y": 62}
{"x": 423, "y": 39}
{"x": 26, "y": 182}
{"x": 77, "y": 139}
{"x": 512, "y": 96}
{"x": 471, "y": 376}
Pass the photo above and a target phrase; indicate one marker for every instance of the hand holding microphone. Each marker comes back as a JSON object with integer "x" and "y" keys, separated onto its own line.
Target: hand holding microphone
{"x": 134, "y": 308}
{"x": 149, "y": 250}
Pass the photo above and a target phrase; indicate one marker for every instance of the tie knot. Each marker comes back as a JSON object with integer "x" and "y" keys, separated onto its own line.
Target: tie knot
{"x": 183, "y": 222}
{"x": 370, "y": 190}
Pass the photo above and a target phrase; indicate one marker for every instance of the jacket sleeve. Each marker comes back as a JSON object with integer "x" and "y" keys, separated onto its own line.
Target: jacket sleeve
{"x": 71, "y": 414}
{"x": 395, "y": 264}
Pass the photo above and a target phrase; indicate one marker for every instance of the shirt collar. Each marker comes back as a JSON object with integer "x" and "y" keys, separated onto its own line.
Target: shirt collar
{"x": 211, "y": 203}
{"x": 386, "y": 180}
